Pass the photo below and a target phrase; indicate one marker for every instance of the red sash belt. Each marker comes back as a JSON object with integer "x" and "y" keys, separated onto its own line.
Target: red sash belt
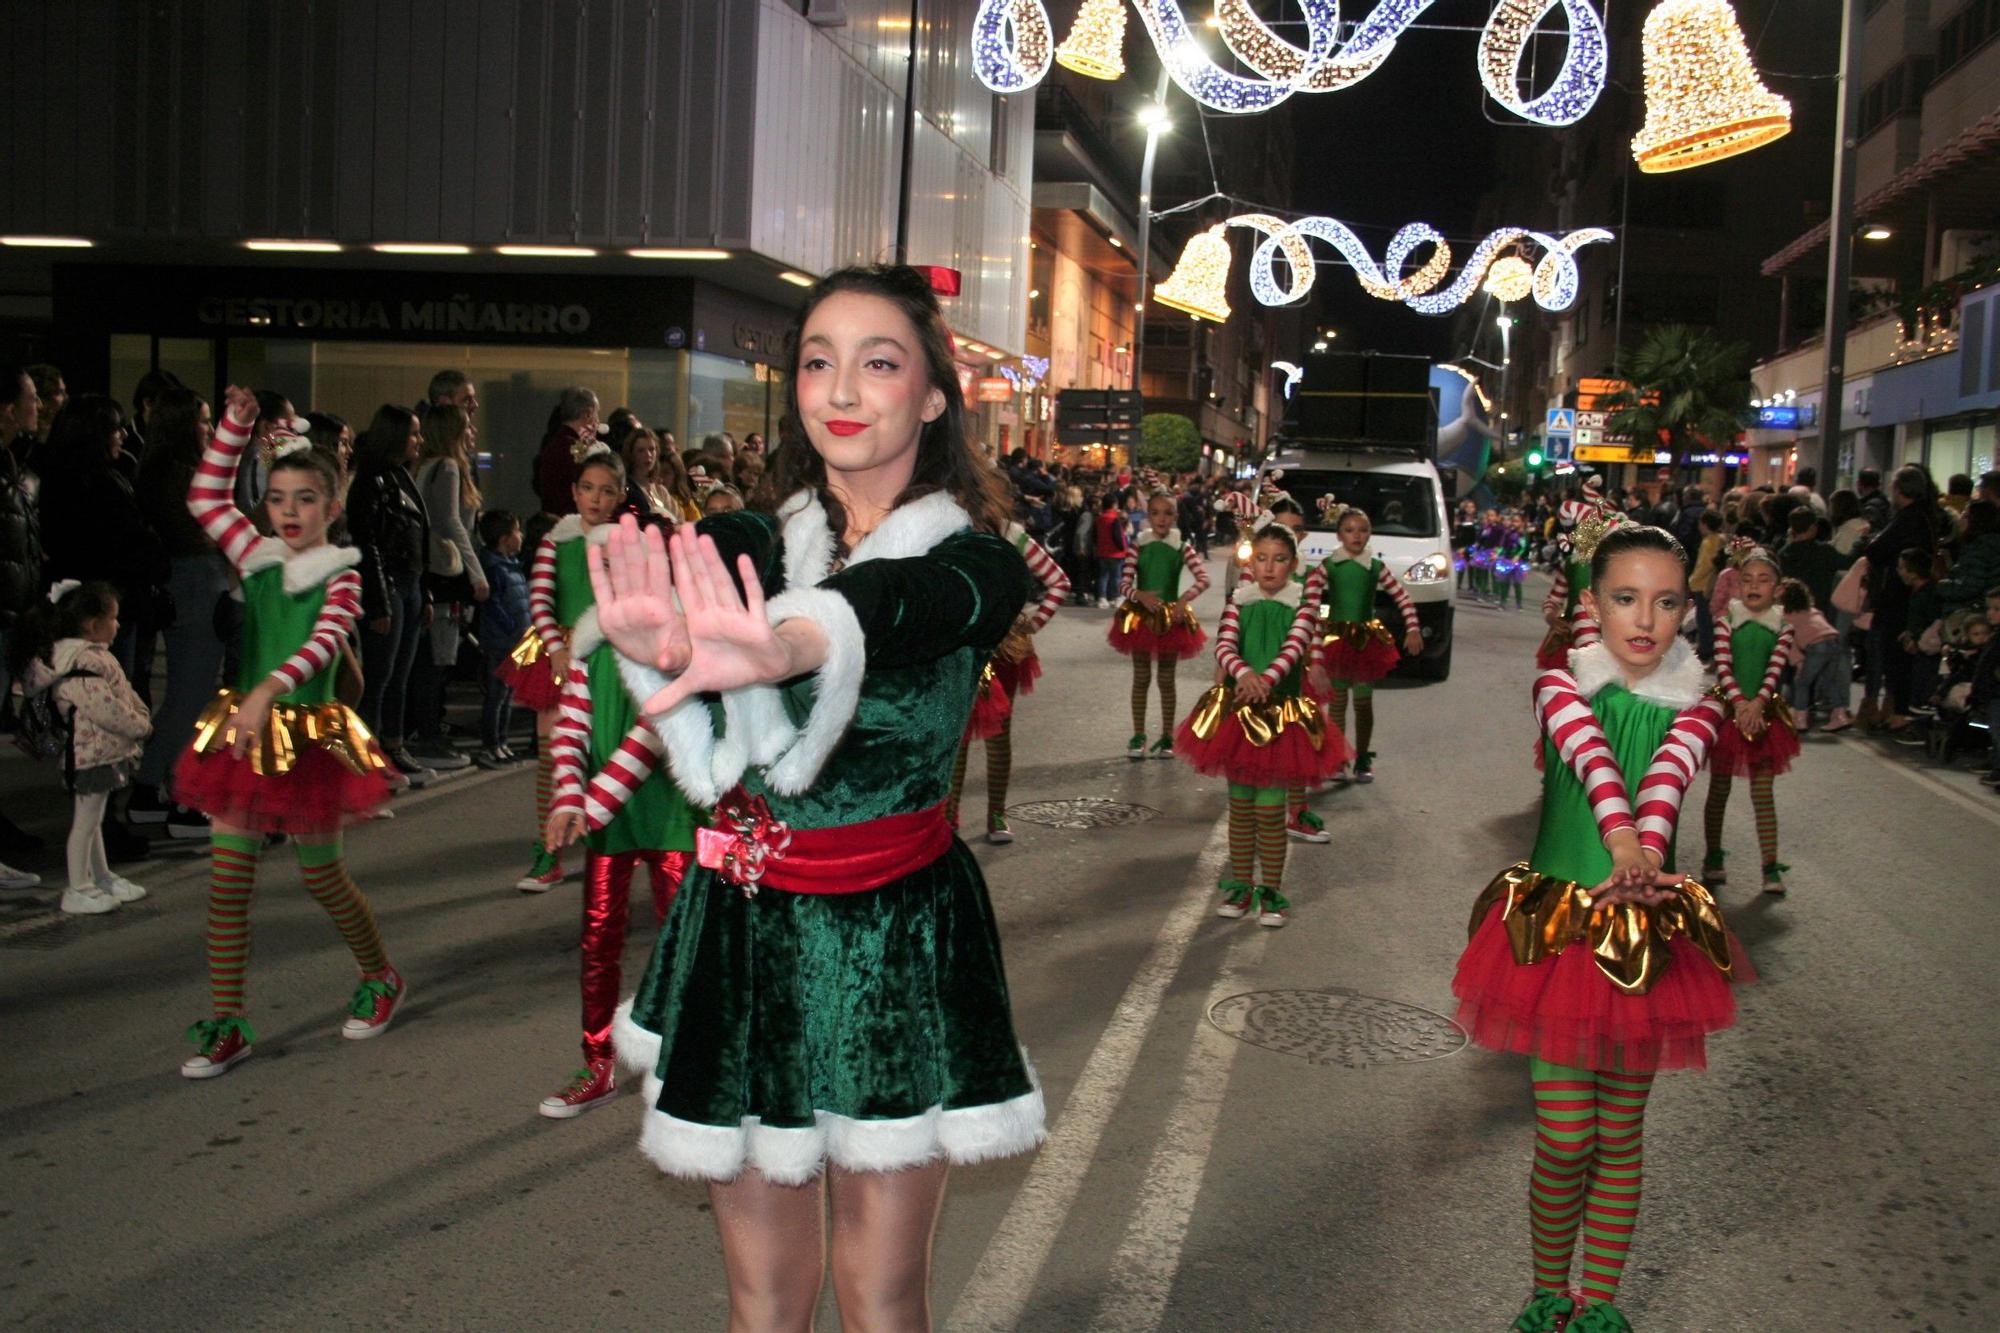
{"x": 751, "y": 848}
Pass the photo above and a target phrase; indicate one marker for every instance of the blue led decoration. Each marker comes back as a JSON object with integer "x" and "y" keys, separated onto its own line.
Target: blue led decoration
{"x": 1012, "y": 44}
{"x": 1577, "y": 82}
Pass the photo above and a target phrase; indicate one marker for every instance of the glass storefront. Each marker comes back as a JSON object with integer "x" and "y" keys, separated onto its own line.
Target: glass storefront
{"x": 1963, "y": 446}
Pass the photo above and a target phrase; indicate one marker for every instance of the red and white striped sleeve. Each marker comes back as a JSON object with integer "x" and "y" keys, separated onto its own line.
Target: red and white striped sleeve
{"x": 1055, "y": 583}
{"x": 1392, "y": 585}
{"x": 542, "y": 596}
{"x": 211, "y": 496}
{"x": 1780, "y": 654}
{"x": 337, "y": 615}
{"x": 1128, "y": 573}
{"x": 1583, "y": 631}
{"x": 1297, "y": 640}
{"x": 1558, "y": 592}
{"x": 1316, "y": 586}
{"x": 1681, "y": 754}
{"x": 636, "y": 759}
{"x": 1197, "y": 568}
{"x": 1725, "y": 664}
{"x": 1568, "y": 722}
{"x": 569, "y": 741}
{"x": 1227, "y": 638}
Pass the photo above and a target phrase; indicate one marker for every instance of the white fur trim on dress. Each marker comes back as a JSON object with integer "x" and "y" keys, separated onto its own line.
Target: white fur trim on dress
{"x": 1289, "y": 594}
{"x": 1771, "y": 618}
{"x": 688, "y": 733}
{"x": 600, "y": 534}
{"x": 586, "y": 636}
{"x": 962, "y": 1136}
{"x": 638, "y": 1049}
{"x": 1677, "y": 682}
{"x": 836, "y": 686}
{"x": 304, "y": 570}
{"x": 567, "y": 529}
{"x": 1147, "y": 537}
{"x": 913, "y": 529}
{"x": 808, "y": 539}
{"x": 756, "y": 730}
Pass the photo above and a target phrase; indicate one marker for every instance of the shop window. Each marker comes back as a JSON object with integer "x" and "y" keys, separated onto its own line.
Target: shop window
{"x": 1948, "y": 450}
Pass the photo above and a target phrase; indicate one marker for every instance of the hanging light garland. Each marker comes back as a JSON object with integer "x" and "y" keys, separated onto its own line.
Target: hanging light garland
{"x": 1510, "y": 279}
{"x": 1704, "y": 101}
{"x": 1011, "y": 49}
{"x": 1199, "y": 283}
{"x": 1095, "y": 47}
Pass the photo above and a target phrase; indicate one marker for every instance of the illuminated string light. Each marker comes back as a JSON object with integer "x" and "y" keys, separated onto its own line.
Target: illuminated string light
{"x": 1704, "y": 101}
{"x": 1510, "y": 279}
{"x": 1577, "y": 83}
{"x": 1298, "y": 257}
{"x": 1096, "y": 44}
{"x": 1199, "y": 283}
{"x": 1011, "y": 44}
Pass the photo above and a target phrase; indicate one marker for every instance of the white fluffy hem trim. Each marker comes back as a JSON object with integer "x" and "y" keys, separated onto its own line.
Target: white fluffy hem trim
{"x": 961, "y": 1136}
{"x": 1677, "y": 682}
{"x": 756, "y": 729}
{"x": 836, "y": 689}
{"x": 688, "y": 733}
{"x": 638, "y": 1049}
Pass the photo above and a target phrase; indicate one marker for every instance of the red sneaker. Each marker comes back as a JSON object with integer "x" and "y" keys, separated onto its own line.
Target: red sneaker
{"x": 589, "y": 1087}
{"x": 375, "y": 1002}
{"x": 224, "y": 1042}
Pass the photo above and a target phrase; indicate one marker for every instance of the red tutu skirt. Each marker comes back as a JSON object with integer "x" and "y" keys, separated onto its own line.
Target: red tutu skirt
{"x": 534, "y": 685}
{"x": 319, "y": 795}
{"x": 1566, "y": 1011}
{"x": 998, "y": 684}
{"x": 1553, "y": 655}
{"x": 1289, "y": 759}
{"x": 1358, "y": 660}
{"x": 1136, "y": 632}
{"x": 1772, "y": 752}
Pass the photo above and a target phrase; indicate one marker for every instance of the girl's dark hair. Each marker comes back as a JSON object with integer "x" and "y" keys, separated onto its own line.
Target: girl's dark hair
{"x": 494, "y": 525}
{"x": 536, "y": 528}
{"x": 80, "y": 436}
{"x": 1981, "y": 517}
{"x": 1711, "y": 520}
{"x": 386, "y": 440}
{"x": 1843, "y": 505}
{"x": 318, "y": 463}
{"x": 946, "y": 458}
{"x": 271, "y": 405}
{"x": 323, "y": 429}
{"x": 36, "y": 630}
{"x": 1794, "y": 597}
{"x": 1627, "y": 538}
{"x": 605, "y": 459}
{"x": 1277, "y": 532}
{"x": 1287, "y": 506}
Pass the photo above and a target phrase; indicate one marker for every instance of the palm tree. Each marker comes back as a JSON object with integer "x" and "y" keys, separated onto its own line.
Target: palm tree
{"x": 1688, "y": 389}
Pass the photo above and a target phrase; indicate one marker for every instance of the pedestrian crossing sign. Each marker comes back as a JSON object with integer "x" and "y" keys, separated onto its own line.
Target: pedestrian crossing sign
{"x": 1562, "y": 420}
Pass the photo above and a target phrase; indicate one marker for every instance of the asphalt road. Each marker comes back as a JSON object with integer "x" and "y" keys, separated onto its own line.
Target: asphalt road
{"x": 1350, "y": 1167}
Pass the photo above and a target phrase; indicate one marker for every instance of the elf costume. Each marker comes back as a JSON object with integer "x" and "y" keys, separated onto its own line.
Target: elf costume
{"x": 1014, "y": 670}
{"x": 1510, "y": 566}
{"x": 1751, "y": 646}
{"x": 1599, "y": 998}
{"x": 1356, "y": 648}
{"x": 558, "y": 595}
{"x": 311, "y": 768}
{"x": 1167, "y": 636}
{"x": 829, "y": 984}
{"x": 1263, "y": 748}
{"x": 607, "y": 769}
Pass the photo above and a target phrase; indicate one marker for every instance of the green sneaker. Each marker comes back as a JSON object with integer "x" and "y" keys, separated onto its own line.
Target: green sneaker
{"x": 1774, "y": 878}
{"x": 1236, "y": 896}
{"x": 1712, "y": 873}
{"x": 1603, "y": 1317}
{"x": 997, "y": 830}
{"x": 1545, "y": 1313}
{"x": 1364, "y": 766}
{"x": 544, "y": 873}
{"x": 1163, "y": 748}
{"x": 1135, "y": 749}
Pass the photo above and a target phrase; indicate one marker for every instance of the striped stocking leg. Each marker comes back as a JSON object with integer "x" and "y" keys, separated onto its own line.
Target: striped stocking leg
{"x": 1142, "y": 679}
{"x": 1336, "y": 705}
{"x": 1242, "y": 833}
{"x": 1611, "y": 1203}
{"x": 1271, "y": 840}
{"x": 1168, "y": 702}
{"x": 232, "y": 878}
{"x": 999, "y": 768}
{"x": 1295, "y": 801}
{"x": 1565, "y": 1139}
{"x": 958, "y": 779}
{"x": 545, "y": 785}
{"x": 1712, "y": 813}
{"x": 1364, "y": 718}
{"x": 1767, "y": 816}
{"x": 334, "y": 889}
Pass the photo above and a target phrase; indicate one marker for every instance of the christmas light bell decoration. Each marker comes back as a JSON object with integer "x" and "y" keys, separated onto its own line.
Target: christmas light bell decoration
{"x": 1704, "y": 101}
{"x": 1096, "y": 44}
{"x": 1198, "y": 283}
{"x": 1510, "y": 279}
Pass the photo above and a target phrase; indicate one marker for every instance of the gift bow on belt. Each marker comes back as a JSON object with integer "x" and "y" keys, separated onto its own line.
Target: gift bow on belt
{"x": 1544, "y": 915}
{"x": 1262, "y": 722}
{"x": 288, "y": 731}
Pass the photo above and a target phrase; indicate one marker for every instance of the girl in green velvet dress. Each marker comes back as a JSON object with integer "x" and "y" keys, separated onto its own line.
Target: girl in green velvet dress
{"x": 825, "y": 1020}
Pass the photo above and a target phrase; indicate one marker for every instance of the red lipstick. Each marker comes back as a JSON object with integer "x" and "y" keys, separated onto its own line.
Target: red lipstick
{"x": 846, "y": 427}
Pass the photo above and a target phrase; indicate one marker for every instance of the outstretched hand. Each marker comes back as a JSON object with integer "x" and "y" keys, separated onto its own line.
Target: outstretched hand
{"x": 240, "y": 405}
{"x": 633, "y": 585}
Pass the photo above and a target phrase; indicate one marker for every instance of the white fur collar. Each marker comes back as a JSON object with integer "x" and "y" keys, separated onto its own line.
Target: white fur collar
{"x": 1771, "y": 618}
{"x": 1677, "y": 682}
{"x": 1340, "y": 556}
{"x": 304, "y": 570}
{"x": 1289, "y": 594}
{"x": 909, "y": 530}
{"x": 587, "y": 635}
{"x": 568, "y": 528}
{"x": 1147, "y": 537}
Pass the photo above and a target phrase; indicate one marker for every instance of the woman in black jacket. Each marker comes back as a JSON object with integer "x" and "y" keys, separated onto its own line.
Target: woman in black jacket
{"x": 1912, "y": 525}
{"x": 386, "y": 515}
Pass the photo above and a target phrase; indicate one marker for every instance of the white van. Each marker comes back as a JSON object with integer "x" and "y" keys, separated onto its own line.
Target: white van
{"x": 1400, "y": 492}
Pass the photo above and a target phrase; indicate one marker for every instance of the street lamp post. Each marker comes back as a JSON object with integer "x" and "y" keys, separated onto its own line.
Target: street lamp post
{"x": 1154, "y": 118}
{"x": 1839, "y": 245}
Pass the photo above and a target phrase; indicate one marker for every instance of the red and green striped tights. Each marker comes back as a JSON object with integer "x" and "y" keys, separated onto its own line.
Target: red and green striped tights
{"x": 233, "y": 877}
{"x": 1257, "y": 837}
{"x": 1364, "y": 712}
{"x": 1586, "y": 1176}
{"x": 1142, "y": 678}
{"x": 999, "y": 771}
{"x": 1719, "y": 785}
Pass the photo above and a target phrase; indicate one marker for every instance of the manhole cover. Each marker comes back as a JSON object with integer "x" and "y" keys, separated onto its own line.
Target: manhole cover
{"x": 1082, "y": 812}
{"x": 1337, "y": 1026}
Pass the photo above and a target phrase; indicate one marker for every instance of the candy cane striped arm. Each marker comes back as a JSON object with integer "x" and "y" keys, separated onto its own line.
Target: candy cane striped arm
{"x": 211, "y": 495}
{"x": 569, "y": 741}
{"x": 1297, "y": 640}
{"x": 1725, "y": 664}
{"x": 1787, "y": 639}
{"x": 337, "y": 615}
{"x": 542, "y": 596}
{"x": 1568, "y": 722}
{"x": 1228, "y": 638}
{"x": 1558, "y": 592}
{"x": 1583, "y": 630}
{"x": 1392, "y": 585}
{"x": 1681, "y": 754}
{"x": 637, "y": 758}
{"x": 1128, "y": 573}
{"x": 1055, "y": 583}
{"x": 1197, "y": 568}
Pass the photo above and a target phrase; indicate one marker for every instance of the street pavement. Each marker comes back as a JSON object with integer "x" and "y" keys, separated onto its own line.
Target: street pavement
{"x": 1350, "y": 1166}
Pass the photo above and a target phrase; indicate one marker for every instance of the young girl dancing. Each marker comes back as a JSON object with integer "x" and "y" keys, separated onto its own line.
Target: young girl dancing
{"x": 277, "y": 753}
{"x": 1155, "y": 624}
{"x": 1258, "y": 728}
{"x": 1356, "y": 648}
{"x": 1510, "y": 561}
{"x": 1013, "y": 670}
{"x": 558, "y": 595}
{"x": 610, "y": 792}
{"x": 1760, "y": 741}
{"x": 1593, "y": 957}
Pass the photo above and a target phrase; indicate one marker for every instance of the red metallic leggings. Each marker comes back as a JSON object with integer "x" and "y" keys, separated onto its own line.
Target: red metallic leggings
{"x": 607, "y": 897}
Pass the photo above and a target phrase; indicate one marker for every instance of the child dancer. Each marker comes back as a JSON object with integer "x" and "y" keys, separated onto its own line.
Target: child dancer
{"x": 1257, "y": 728}
{"x": 1593, "y": 957}
{"x": 64, "y": 648}
{"x": 1155, "y": 624}
{"x": 277, "y": 753}
{"x": 1510, "y": 561}
{"x": 1013, "y": 670}
{"x": 1753, "y": 645}
{"x": 559, "y": 593}
{"x": 612, "y": 794}
{"x": 1485, "y": 551}
{"x": 1356, "y": 648}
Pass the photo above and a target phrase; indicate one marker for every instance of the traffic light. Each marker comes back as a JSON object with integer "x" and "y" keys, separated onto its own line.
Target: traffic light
{"x": 1535, "y": 460}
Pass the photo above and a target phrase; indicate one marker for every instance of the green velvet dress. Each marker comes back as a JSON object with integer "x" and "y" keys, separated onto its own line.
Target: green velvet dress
{"x": 871, "y": 1029}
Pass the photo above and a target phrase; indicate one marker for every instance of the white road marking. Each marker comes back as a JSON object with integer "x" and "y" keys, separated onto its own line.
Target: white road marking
{"x": 996, "y": 1297}
{"x": 1986, "y": 810}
